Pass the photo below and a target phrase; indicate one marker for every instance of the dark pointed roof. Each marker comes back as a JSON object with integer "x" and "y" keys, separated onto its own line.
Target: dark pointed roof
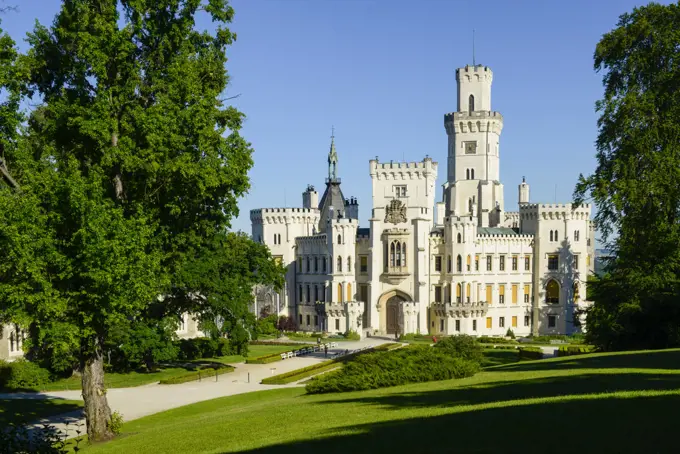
{"x": 332, "y": 197}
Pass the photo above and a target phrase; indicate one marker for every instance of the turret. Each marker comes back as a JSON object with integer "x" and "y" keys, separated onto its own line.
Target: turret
{"x": 310, "y": 198}
{"x": 523, "y": 192}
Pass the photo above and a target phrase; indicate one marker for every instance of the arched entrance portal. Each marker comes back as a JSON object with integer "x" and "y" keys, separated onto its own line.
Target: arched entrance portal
{"x": 391, "y": 312}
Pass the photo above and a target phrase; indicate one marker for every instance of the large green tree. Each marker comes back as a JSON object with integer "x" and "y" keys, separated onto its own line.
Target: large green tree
{"x": 636, "y": 185}
{"x": 130, "y": 172}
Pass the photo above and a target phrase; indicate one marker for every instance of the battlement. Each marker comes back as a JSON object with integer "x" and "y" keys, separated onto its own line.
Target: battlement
{"x": 281, "y": 215}
{"x": 547, "y": 211}
{"x": 392, "y": 167}
{"x": 476, "y": 115}
{"x": 505, "y": 236}
{"x": 552, "y": 206}
{"x": 351, "y": 201}
{"x": 469, "y": 73}
{"x": 478, "y": 121}
{"x": 318, "y": 238}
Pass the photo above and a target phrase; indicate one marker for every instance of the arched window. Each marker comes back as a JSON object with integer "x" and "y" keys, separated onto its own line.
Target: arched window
{"x": 472, "y": 174}
{"x": 448, "y": 264}
{"x": 469, "y": 262}
{"x": 467, "y": 174}
{"x": 552, "y": 292}
{"x": 398, "y": 249}
{"x": 459, "y": 263}
{"x": 392, "y": 254}
{"x": 471, "y": 103}
{"x": 403, "y": 254}
{"x": 339, "y": 239}
{"x": 459, "y": 289}
{"x": 577, "y": 294}
{"x": 349, "y": 291}
{"x": 349, "y": 264}
{"x": 470, "y": 205}
{"x": 556, "y": 236}
{"x": 339, "y": 268}
{"x": 340, "y": 300}
{"x": 551, "y": 235}
{"x": 276, "y": 239}
{"x": 460, "y": 238}
{"x": 467, "y": 293}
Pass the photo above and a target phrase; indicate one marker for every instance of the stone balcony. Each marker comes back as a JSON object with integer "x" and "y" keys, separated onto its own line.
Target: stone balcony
{"x": 395, "y": 274}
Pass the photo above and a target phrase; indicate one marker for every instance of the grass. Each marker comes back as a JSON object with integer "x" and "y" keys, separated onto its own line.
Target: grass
{"x": 590, "y": 403}
{"x": 19, "y": 411}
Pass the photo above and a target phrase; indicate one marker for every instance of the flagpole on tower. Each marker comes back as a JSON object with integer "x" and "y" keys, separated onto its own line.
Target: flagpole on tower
{"x": 473, "y": 48}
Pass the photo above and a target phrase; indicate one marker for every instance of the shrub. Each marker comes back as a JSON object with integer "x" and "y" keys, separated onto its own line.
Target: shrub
{"x": 413, "y": 364}
{"x": 286, "y": 324}
{"x": 570, "y": 350}
{"x": 495, "y": 340}
{"x": 189, "y": 349}
{"x": 224, "y": 348}
{"x": 45, "y": 439}
{"x": 116, "y": 423}
{"x": 266, "y": 326}
{"x": 461, "y": 346}
{"x": 530, "y": 353}
{"x": 352, "y": 335}
{"x": 498, "y": 347}
{"x": 22, "y": 374}
{"x": 202, "y": 373}
{"x": 510, "y": 333}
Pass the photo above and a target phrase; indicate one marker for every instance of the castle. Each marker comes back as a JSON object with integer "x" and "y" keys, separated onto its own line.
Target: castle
{"x": 463, "y": 265}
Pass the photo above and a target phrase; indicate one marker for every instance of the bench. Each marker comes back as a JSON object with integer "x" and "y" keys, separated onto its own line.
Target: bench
{"x": 283, "y": 356}
{"x": 289, "y": 354}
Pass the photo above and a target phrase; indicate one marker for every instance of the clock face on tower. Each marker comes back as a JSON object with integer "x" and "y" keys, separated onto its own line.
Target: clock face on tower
{"x": 470, "y": 147}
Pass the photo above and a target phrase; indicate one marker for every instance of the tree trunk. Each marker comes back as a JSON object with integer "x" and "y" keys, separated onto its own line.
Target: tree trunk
{"x": 97, "y": 411}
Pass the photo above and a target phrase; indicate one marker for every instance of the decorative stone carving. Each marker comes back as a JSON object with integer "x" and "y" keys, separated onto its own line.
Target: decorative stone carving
{"x": 395, "y": 212}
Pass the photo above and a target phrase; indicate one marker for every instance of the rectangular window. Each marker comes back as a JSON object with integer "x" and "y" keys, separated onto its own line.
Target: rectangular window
{"x": 363, "y": 264}
{"x": 474, "y": 325}
{"x": 457, "y": 325}
{"x": 438, "y": 294}
{"x": 488, "y": 263}
{"x": 514, "y": 263}
{"x": 399, "y": 190}
{"x": 575, "y": 261}
{"x": 438, "y": 263}
{"x": 553, "y": 262}
{"x": 527, "y": 263}
{"x": 577, "y": 235}
{"x": 447, "y": 291}
{"x": 299, "y": 264}
{"x": 526, "y": 320}
{"x": 501, "y": 263}
{"x": 300, "y": 319}
{"x": 476, "y": 263}
{"x": 551, "y": 321}
{"x": 448, "y": 264}
{"x": 526, "y": 293}
{"x": 501, "y": 322}
{"x": 488, "y": 322}
{"x": 514, "y": 293}
{"x": 323, "y": 265}
{"x": 488, "y": 293}
{"x": 309, "y": 317}
{"x": 501, "y": 294}
{"x": 316, "y": 320}
{"x": 441, "y": 325}
{"x": 514, "y": 321}
{"x": 300, "y": 294}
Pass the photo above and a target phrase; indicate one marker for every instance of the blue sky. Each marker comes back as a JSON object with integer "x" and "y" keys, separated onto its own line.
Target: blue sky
{"x": 382, "y": 73}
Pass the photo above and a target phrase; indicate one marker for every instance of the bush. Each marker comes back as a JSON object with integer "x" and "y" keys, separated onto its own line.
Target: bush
{"x": 570, "y": 350}
{"x": 200, "y": 374}
{"x": 44, "y": 439}
{"x": 352, "y": 335}
{"x": 116, "y": 423}
{"x": 498, "y": 347}
{"x": 530, "y": 353}
{"x": 461, "y": 346}
{"x": 413, "y": 364}
{"x": 224, "y": 348}
{"x": 203, "y": 347}
{"x": 510, "y": 333}
{"x": 266, "y": 326}
{"x": 495, "y": 340}
{"x": 22, "y": 374}
{"x": 286, "y": 324}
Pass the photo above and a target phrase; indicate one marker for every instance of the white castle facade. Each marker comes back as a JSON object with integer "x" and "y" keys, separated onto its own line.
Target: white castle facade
{"x": 463, "y": 265}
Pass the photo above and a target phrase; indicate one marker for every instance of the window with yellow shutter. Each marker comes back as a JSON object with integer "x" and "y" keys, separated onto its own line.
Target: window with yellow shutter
{"x": 458, "y": 291}
{"x": 501, "y": 294}
{"x": 514, "y": 293}
{"x": 514, "y": 321}
{"x": 488, "y": 294}
{"x": 526, "y": 293}
{"x": 488, "y": 322}
{"x": 468, "y": 291}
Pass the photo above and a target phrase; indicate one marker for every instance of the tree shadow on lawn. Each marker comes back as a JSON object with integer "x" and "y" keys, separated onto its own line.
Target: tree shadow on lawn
{"x": 486, "y": 393}
{"x": 659, "y": 359}
{"x": 20, "y": 411}
{"x": 644, "y": 424}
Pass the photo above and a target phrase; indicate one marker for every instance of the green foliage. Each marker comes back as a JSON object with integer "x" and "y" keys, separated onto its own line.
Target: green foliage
{"x": 200, "y": 374}
{"x": 352, "y": 335}
{"x": 510, "y": 333}
{"x": 412, "y": 364}
{"x": 266, "y": 326}
{"x": 530, "y": 353}
{"x": 266, "y": 359}
{"x": 633, "y": 185}
{"x": 570, "y": 350}
{"x": 39, "y": 440}
{"x": 495, "y": 340}
{"x": 22, "y": 374}
{"x": 204, "y": 347}
{"x": 135, "y": 344}
{"x": 116, "y": 423}
{"x": 461, "y": 346}
{"x": 499, "y": 347}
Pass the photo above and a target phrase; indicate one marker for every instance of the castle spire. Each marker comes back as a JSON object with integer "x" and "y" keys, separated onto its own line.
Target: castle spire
{"x": 332, "y": 159}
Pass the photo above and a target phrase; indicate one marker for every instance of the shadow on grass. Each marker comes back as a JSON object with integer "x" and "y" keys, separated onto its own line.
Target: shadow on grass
{"x": 486, "y": 393}
{"x": 660, "y": 359}
{"x": 604, "y": 425}
{"x": 21, "y": 411}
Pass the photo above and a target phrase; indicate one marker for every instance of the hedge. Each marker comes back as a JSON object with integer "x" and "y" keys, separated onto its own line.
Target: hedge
{"x": 530, "y": 353}
{"x": 495, "y": 340}
{"x": 570, "y": 350}
{"x": 285, "y": 344}
{"x": 299, "y": 374}
{"x": 266, "y": 359}
{"x": 499, "y": 347}
{"x": 22, "y": 374}
{"x": 204, "y": 373}
{"x": 380, "y": 369}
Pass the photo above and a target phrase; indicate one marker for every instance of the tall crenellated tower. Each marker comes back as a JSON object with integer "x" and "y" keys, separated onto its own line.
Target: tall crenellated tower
{"x": 473, "y": 176}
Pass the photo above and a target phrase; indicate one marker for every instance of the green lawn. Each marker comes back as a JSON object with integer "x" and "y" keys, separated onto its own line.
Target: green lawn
{"x": 19, "y": 411}
{"x": 618, "y": 403}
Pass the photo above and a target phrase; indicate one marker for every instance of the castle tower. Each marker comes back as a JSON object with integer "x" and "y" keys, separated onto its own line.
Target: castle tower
{"x": 473, "y": 174}
{"x": 310, "y": 198}
{"x": 523, "y": 192}
{"x": 333, "y": 201}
